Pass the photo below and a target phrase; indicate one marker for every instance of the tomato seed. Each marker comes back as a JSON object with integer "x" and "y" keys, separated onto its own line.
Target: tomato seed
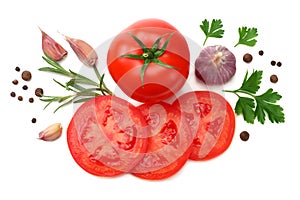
{"x": 26, "y": 75}
{"x": 261, "y": 52}
{"x": 20, "y": 98}
{"x": 13, "y": 94}
{"x": 39, "y": 92}
{"x": 247, "y": 58}
{"x": 25, "y": 87}
{"x": 17, "y": 69}
{"x": 274, "y": 78}
{"x": 244, "y": 135}
{"x": 279, "y": 64}
{"x": 15, "y": 82}
{"x": 273, "y": 62}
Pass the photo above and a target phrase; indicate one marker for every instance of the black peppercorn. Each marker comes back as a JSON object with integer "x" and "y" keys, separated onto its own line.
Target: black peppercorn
{"x": 279, "y": 64}
{"x": 247, "y": 58}
{"x": 33, "y": 120}
{"x": 244, "y": 135}
{"x": 15, "y": 82}
{"x": 39, "y": 92}
{"x": 26, "y": 75}
{"x": 273, "y": 62}
{"x": 25, "y": 87}
{"x": 274, "y": 78}
{"x": 12, "y": 94}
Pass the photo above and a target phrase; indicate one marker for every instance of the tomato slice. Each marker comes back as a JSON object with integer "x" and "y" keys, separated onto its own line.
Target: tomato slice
{"x": 107, "y": 136}
{"x": 169, "y": 144}
{"x": 211, "y": 118}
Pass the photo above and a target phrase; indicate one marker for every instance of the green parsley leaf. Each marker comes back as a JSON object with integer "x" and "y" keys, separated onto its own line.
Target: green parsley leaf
{"x": 245, "y": 106}
{"x": 270, "y": 96}
{"x": 259, "y": 112}
{"x": 252, "y": 83}
{"x": 266, "y": 104}
{"x": 275, "y": 113}
{"x": 247, "y": 36}
{"x": 257, "y": 106}
{"x": 214, "y": 30}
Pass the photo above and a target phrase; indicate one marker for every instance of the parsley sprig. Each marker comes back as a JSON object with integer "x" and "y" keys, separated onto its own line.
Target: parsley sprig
{"x": 212, "y": 30}
{"x": 257, "y": 106}
{"x": 247, "y": 36}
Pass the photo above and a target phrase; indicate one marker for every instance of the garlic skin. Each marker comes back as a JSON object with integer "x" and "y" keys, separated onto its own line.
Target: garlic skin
{"x": 51, "y": 133}
{"x": 85, "y": 53}
{"x": 52, "y": 48}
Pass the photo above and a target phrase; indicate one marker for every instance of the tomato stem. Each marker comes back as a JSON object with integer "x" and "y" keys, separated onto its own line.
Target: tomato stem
{"x": 150, "y": 55}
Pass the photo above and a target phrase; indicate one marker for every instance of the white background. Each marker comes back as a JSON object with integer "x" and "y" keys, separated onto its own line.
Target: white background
{"x": 265, "y": 167}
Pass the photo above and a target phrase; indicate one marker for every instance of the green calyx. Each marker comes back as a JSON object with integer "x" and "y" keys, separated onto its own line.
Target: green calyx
{"x": 150, "y": 55}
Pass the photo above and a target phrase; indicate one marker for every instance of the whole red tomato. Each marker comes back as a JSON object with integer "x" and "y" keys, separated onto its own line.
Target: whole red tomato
{"x": 149, "y": 60}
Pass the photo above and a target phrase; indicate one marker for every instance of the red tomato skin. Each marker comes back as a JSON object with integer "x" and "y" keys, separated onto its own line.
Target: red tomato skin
{"x": 88, "y": 116}
{"x": 159, "y": 141}
{"x": 223, "y": 138}
{"x": 151, "y": 22}
{"x": 167, "y": 171}
{"x": 159, "y": 82}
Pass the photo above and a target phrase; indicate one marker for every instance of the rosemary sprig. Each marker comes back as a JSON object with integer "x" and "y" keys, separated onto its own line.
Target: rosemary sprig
{"x": 81, "y": 87}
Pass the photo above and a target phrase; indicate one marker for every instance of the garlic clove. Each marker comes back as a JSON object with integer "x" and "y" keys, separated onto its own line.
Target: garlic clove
{"x": 85, "y": 53}
{"x": 51, "y": 133}
{"x": 52, "y": 48}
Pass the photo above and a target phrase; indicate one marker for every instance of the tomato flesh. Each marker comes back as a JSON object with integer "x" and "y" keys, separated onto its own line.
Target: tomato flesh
{"x": 169, "y": 145}
{"x": 211, "y": 118}
{"x": 107, "y": 136}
